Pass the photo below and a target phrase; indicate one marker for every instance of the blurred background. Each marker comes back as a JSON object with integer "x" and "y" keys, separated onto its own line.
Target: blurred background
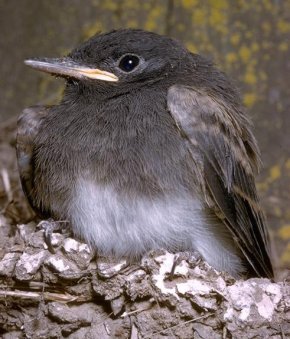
{"x": 249, "y": 40}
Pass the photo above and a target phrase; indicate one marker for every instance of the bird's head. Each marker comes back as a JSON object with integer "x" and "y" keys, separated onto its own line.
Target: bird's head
{"x": 116, "y": 60}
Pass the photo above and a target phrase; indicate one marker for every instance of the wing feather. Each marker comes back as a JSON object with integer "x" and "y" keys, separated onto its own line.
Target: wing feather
{"x": 229, "y": 161}
{"x": 27, "y": 128}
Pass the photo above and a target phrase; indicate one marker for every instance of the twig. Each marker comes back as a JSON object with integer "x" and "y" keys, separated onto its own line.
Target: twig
{"x": 6, "y": 184}
{"x": 126, "y": 314}
{"x": 47, "y": 296}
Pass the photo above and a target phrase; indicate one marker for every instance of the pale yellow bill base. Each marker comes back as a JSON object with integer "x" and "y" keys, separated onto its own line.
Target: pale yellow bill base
{"x": 68, "y": 68}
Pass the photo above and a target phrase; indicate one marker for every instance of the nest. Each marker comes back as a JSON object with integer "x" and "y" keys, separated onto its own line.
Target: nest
{"x": 66, "y": 290}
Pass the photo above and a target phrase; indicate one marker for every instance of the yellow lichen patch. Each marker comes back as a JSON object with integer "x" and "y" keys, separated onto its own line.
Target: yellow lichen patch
{"x": 110, "y": 5}
{"x": 269, "y": 6}
{"x": 250, "y": 77}
{"x": 245, "y": 53}
{"x": 90, "y": 30}
{"x": 262, "y": 186}
{"x": 218, "y": 15}
{"x": 188, "y": 4}
{"x": 131, "y": 4}
{"x": 218, "y": 4}
{"x": 231, "y": 57}
{"x": 235, "y": 39}
{"x": 152, "y": 22}
{"x": 283, "y": 26}
{"x": 285, "y": 258}
{"x": 287, "y": 164}
{"x": 277, "y": 211}
{"x": 180, "y": 27}
{"x": 192, "y": 47}
{"x": 250, "y": 99}
{"x": 255, "y": 47}
{"x": 283, "y": 46}
{"x": 44, "y": 86}
{"x": 199, "y": 17}
{"x": 275, "y": 173}
{"x": 209, "y": 48}
{"x": 132, "y": 23}
{"x": 266, "y": 27}
{"x": 249, "y": 35}
{"x": 284, "y": 232}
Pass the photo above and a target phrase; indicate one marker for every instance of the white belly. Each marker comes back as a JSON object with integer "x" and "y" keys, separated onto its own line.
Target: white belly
{"x": 127, "y": 226}
{"x": 119, "y": 225}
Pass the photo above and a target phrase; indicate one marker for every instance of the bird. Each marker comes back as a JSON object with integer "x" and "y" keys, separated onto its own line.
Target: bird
{"x": 150, "y": 147}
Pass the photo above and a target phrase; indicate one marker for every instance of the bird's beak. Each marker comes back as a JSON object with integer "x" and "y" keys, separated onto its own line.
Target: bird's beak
{"x": 66, "y": 67}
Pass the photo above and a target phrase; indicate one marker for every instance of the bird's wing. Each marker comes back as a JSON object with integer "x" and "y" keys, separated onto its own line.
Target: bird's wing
{"x": 27, "y": 128}
{"x": 220, "y": 139}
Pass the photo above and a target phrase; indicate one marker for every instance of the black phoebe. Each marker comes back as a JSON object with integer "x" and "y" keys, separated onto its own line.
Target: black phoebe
{"x": 148, "y": 148}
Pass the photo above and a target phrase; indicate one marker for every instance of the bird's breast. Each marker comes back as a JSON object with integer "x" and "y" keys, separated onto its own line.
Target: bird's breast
{"x": 128, "y": 225}
{"x": 139, "y": 155}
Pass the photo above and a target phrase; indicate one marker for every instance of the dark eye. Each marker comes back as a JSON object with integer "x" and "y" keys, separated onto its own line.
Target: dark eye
{"x": 128, "y": 62}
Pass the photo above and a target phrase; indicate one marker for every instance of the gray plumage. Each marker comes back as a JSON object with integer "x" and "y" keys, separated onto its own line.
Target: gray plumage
{"x": 158, "y": 156}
